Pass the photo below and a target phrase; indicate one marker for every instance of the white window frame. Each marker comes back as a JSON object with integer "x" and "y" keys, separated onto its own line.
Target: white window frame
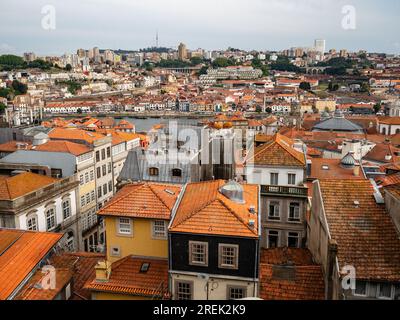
{"x": 123, "y": 228}
{"x": 198, "y": 263}
{"x": 34, "y": 226}
{"x": 158, "y": 234}
{"x": 223, "y": 265}
{"x": 290, "y": 174}
{"x": 52, "y": 217}
{"x": 278, "y": 217}
{"x": 277, "y": 178}
{"x": 66, "y": 201}
{"x": 298, "y": 212}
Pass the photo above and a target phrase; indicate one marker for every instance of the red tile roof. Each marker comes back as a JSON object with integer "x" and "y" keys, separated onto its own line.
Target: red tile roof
{"x": 364, "y": 231}
{"x": 290, "y": 274}
{"x": 22, "y": 184}
{"x": 75, "y": 149}
{"x": 278, "y": 151}
{"x": 19, "y": 255}
{"x": 143, "y": 200}
{"x": 203, "y": 209}
{"x": 126, "y": 278}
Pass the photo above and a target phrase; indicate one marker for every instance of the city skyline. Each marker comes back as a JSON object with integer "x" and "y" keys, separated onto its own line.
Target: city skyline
{"x": 259, "y": 25}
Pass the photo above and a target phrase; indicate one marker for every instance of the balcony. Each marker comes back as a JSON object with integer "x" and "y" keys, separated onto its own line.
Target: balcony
{"x": 285, "y": 191}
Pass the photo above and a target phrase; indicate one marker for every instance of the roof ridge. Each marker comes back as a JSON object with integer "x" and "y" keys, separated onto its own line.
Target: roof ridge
{"x": 120, "y": 198}
{"x": 158, "y": 196}
{"x": 226, "y": 205}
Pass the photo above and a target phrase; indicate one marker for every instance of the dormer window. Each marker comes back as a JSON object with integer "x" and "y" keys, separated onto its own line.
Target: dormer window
{"x": 176, "y": 172}
{"x": 153, "y": 171}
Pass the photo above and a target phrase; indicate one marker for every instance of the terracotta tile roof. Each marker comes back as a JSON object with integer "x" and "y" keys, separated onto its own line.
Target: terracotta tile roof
{"x": 12, "y": 146}
{"x": 290, "y": 274}
{"x": 322, "y": 168}
{"x": 126, "y": 278}
{"x": 22, "y": 184}
{"x": 203, "y": 209}
{"x": 389, "y": 120}
{"x": 75, "y": 149}
{"x": 388, "y": 180}
{"x": 278, "y": 151}
{"x": 74, "y": 134}
{"x": 24, "y": 250}
{"x": 32, "y": 290}
{"x": 380, "y": 151}
{"x": 364, "y": 232}
{"x": 82, "y": 265}
{"x": 143, "y": 200}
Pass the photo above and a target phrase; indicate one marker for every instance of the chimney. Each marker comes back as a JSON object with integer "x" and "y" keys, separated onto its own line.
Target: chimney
{"x": 356, "y": 171}
{"x": 103, "y": 270}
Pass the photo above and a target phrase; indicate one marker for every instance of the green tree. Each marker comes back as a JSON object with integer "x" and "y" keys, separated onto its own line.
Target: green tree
{"x": 305, "y": 86}
{"x": 377, "y": 107}
{"x": 196, "y": 60}
{"x": 11, "y": 60}
{"x": 79, "y": 111}
{"x": 258, "y": 109}
{"x": 203, "y": 70}
{"x": 222, "y": 62}
{"x": 19, "y": 87}
{"x": 5, "y": 92}
{"x": 3, "y": 107}
{"x": 68, "y": 67}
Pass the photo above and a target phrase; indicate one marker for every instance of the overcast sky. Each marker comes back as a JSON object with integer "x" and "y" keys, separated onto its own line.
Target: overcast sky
{"x": 209, "y": 24}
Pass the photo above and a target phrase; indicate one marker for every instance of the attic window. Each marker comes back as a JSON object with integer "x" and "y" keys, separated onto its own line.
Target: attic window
{"x": 145, "y": 267}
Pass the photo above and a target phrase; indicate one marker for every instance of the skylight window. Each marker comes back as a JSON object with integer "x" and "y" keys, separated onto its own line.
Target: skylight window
{"x": 145, "y": 267}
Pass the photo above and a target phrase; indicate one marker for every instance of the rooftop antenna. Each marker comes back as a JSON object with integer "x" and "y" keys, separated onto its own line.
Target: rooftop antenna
{"x": 157, "y": 39}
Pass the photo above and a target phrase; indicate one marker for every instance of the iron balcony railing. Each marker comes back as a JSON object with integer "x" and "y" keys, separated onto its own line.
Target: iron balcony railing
{"x": 284, "y": 191}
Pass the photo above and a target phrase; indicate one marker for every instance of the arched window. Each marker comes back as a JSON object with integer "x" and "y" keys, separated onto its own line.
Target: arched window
{"x": 66, "y": 209}
{"x": 50, "y": 219}
{"x": 176, "y": 172}
{"x": 397, "y": 131}
{"x": 153, "y": 171}
{"x": 31, "y": 222}
{"x": 384, "y": 131}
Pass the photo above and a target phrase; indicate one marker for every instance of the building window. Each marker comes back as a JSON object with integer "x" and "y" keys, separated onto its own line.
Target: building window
{"x": 31, "y": 223}
{"x": 293, "y": 240}
{"x": 109, "y": 167}
{"x": 274, "y": 178}
{"x": 236, "y": 293}
{"x": 81, "y": 180}
{"x": 103, "y": 154}
{"x": 99, "y": 192}
{"x": 273, "y": 211}
{"x": 176, "y": 172}
{"x": 384, "y": 291}
{"x": 86, "y": 177}
{"x": 104, "y": 169}
{"x": 83, "y": 201}
{"x": 361, "y": 288}
{"x": 294, "y": 211}
{"x": 184, "y": 290}
{"x": 228, "y": 256}
{"x": 198, "y": 253}
{"x": 66, "y": 208}
{"x": 291, "y": 179}
{"x": 124, "y": 226}
{"x": 159, "y": 229}
{"x": 110, "y": 186}
{"x": 108, "y": 152}
{"x": 50, "y": 219}
{"x": 98, "y": 172}
{"x": 92, "y": 196}
{"x": 91, "y": 175}
{"x": 97, "y": 156}
{"x": 105, "y": 189}
{"x": 153, "y": 171}
{"x": 273, "y": 239}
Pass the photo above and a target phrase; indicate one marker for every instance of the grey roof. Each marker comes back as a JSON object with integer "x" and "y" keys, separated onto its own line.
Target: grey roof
{"x": 348, "y": 160}
{"x": 130, "y": 170}
{"x": 338, "y": 123}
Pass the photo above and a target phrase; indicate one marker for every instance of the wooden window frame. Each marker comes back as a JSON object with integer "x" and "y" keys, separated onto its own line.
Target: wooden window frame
{"x": 221, "y": 265}
{"x": 190, "y": 283}
{"x": 195, "y": 263}
{"x": 230, "y": 287}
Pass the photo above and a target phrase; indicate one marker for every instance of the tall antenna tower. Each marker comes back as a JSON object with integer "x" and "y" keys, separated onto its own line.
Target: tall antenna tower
{"x": 157, "y": 39}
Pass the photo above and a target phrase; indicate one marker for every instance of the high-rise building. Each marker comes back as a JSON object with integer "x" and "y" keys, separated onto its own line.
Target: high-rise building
{"x": 182, "y": 52}
{"x": 320, "y": 45}
{"x": 81, "y": 53}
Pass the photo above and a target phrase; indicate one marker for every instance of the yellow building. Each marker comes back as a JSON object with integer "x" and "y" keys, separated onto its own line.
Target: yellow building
{"x": 325, "y": 105}
{"x": 136, "y": 222}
